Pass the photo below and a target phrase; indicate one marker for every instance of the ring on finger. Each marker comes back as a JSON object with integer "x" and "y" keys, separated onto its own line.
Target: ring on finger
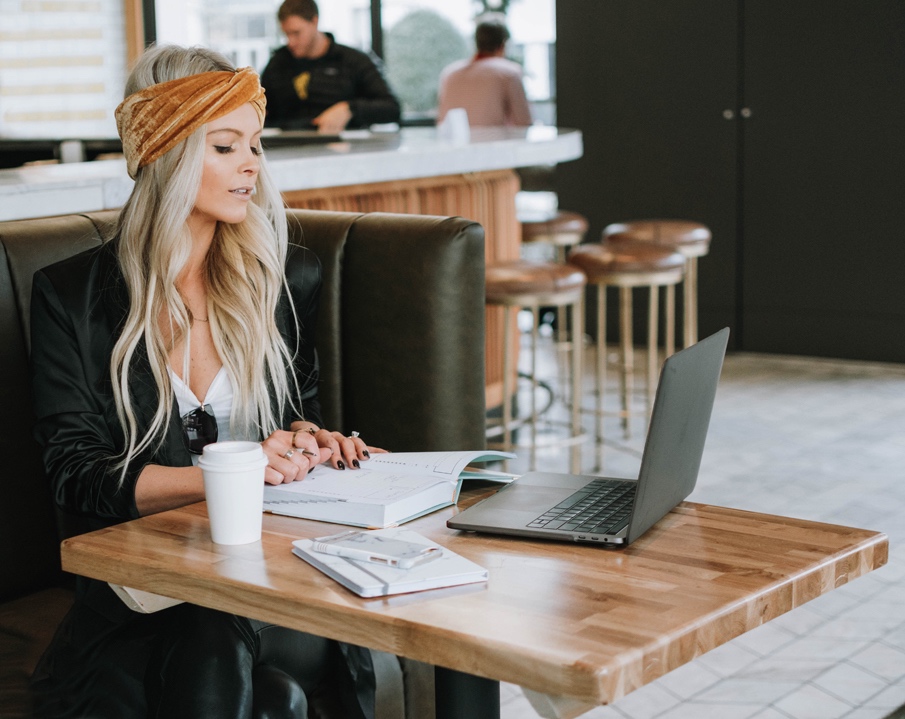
{"x": 353, "y": 434}
{"x": 308, "y": 430}
{"x": 289, "y": 454}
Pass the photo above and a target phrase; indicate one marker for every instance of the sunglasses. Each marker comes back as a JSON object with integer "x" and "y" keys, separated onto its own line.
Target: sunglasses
{"x": 199, "y": 428}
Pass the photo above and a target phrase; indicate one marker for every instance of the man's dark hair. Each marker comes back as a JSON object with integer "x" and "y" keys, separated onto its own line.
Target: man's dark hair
{"x": 305, "y": 9}
{"x": 490, "y": 34}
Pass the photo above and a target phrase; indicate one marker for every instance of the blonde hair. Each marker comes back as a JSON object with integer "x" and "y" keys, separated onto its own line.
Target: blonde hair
{"x": 244, "y": 273}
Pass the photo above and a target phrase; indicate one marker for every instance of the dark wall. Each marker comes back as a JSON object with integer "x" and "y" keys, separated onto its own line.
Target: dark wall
{"x": 655, "y": 144}
{"x": 823, "y": 178}
{"x": 799, "y": 189}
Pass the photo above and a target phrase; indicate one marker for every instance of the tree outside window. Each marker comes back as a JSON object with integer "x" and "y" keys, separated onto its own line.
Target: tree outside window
{"x": 421, "y": 37}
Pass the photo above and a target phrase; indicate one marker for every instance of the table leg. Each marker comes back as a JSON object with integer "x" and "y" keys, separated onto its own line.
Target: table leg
{"x": 465, "y": 696}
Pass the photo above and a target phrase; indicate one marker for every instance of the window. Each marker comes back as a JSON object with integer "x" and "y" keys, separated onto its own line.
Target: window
{"x": 62, "y": 68}
{"x": 532, "y": 24}
{"x": 419, "y": 38}
{"x": 348, "y": 20}
{"x": 246, "y": 32}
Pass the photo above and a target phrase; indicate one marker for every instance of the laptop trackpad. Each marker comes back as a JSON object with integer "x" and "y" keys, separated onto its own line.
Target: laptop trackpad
{"x": 517, "y": 504}
{"x": 531, "y": 499}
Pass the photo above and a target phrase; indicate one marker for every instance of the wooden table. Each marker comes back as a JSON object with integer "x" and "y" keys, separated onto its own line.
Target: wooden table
{"x": 583, "y": 623}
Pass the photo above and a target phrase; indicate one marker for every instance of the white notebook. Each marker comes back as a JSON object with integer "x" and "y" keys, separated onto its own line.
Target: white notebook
{"x": 389, "y": 489}
{"x": 375, "y": 580}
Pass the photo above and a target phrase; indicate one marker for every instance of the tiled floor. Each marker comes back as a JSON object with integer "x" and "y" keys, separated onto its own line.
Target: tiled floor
{"x": 818, "y": 439}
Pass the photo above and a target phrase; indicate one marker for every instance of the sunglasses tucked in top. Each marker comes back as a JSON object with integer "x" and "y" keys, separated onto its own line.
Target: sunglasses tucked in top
{"x": 199, "y": 428}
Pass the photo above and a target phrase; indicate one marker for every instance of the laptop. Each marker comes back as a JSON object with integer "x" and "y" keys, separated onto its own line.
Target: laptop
{"x": 609, "y": 511}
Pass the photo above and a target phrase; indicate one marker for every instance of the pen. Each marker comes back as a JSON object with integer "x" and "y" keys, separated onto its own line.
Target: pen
{"x": 309, "y": 453}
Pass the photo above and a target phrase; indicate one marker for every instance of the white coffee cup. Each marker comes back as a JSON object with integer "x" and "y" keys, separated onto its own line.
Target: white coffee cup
{"x": 454, "y": 127}
{"x": 234, "y": 489}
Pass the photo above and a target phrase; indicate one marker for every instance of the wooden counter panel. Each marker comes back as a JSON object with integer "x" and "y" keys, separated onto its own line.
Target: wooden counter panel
{"x": 566, "y": 620}
{"x": 485, "y": 197}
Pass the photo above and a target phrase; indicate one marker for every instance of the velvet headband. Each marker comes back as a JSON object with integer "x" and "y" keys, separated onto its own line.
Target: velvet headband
{"x": 154, "y": 120}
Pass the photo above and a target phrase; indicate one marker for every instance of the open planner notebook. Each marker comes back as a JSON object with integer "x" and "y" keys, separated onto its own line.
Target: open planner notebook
{"x": 389, "y": 489}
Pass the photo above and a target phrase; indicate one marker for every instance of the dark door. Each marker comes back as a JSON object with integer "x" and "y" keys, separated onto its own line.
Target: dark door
{"x": 823, "y": 240}
{"x": 647, "y": 82}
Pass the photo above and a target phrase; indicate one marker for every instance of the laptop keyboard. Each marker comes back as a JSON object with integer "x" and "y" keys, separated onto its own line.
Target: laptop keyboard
{"x": 602, "y": 506}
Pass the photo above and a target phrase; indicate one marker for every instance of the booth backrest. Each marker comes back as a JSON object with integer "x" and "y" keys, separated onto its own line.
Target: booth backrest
{"x": 400, "y": 339}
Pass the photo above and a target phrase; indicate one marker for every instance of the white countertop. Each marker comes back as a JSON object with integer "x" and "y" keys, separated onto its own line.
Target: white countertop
{"x": 44, "y": 190}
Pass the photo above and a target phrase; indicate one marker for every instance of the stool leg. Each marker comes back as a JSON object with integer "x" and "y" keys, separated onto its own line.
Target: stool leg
{"x": 577, "y": 350}
{"x": 561, "y": 321}
{"x": 652, "y": 351}
{"x": 670, "y": 309}
{"x": 534, "y": 322}
{"x": 600, "y": 375}
{"x": 628, "y": 355}
{"x": 691, "y": 301}
{"x": 507, "y": 384}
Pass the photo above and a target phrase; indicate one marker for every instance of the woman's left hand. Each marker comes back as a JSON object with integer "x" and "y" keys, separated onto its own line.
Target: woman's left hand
{"x": 348, "y": 452}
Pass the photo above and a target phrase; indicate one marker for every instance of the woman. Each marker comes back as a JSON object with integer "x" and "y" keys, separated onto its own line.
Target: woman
{"x": 194, "y": 323}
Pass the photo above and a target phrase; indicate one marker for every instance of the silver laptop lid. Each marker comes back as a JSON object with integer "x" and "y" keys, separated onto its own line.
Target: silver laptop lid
{"x": 677, "y": 431}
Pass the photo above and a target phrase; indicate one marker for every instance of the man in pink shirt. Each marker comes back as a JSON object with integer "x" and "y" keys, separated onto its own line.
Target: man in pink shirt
{"x": 488, "y": 86}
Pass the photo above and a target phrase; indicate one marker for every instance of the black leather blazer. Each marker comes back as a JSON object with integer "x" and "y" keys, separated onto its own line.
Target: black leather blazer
{"x": 77, "y": 311}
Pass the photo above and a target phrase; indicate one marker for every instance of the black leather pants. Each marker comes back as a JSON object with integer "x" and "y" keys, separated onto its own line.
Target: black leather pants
{"x": 108, "y": 662}
{"x": 221, "y": 666}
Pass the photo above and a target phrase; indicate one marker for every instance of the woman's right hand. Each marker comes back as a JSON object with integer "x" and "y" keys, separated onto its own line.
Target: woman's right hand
{"x": 291, "y": 455}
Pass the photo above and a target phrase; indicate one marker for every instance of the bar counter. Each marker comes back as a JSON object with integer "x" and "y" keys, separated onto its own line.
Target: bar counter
{"x": 411, "y": 154}
{"x": 412, "y": 171}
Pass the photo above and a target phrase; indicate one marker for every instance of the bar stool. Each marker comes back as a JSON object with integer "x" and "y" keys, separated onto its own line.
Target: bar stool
{"x": 692, "y": 239}
{"x": 626, "y": 264}
{"x": 525, "y": 284}
{"x": 561, "y": 230}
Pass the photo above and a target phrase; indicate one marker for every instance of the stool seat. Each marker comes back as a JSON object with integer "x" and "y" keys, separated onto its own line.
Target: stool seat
{"x": 563, "y": 228}
{"x": 692, "y": 239}
{"x": 628, "y": 263}
{"x": 520, "y": 282}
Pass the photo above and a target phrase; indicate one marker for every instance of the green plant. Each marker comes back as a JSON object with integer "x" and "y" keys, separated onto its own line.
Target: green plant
{"x": 417, "y": 48}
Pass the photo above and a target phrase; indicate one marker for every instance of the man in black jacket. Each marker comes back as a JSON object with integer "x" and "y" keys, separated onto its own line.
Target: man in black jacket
{"x": 312, "y": 82}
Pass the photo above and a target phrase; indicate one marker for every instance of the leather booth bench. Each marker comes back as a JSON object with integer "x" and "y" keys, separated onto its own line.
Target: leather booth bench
{"x": 401, "y": 346}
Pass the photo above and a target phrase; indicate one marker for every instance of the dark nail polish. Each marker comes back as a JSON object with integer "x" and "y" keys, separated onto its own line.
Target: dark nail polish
{"x": 356, "y": 464}
{"x": 367, "y": 454}
{"x": 340, "y": 465}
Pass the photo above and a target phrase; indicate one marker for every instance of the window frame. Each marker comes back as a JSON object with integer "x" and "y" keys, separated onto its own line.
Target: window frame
{"x": 144, "y": 24}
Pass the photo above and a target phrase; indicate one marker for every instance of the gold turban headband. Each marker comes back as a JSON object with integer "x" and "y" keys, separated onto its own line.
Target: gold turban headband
{"x": 156, "y": 119}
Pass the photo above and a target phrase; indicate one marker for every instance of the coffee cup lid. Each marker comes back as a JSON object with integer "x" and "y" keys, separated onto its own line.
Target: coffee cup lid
{"x": 232, "y": 452}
